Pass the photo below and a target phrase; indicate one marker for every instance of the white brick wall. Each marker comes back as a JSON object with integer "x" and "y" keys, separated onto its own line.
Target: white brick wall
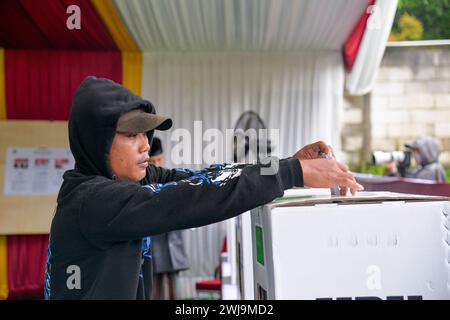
{"x": 445, "y": 157}
{"x": 439, "y": 87}
{"x": 353, "y": 115}
{"x": 353, "y": 143}
{"x": 379, "y": 131}
{"x": 395, "y": 73}
{"x": 419, "y": 100}
{"x": 426, "y": 73}
{"x": 417, "y": 87}
{"x": 408, "y": 130}
{"x": 379, "y": 102}
{"x": 442, "y": 130}
{"x": 443, "y": 100}
{"x": 383, "y": 117}
{"x": 443, "y": 73}
{"x": 389, "y": 88}
{"x": 411, "y": 98}
{"x": 437, "y": 116}
{"x": 383, "y": 144}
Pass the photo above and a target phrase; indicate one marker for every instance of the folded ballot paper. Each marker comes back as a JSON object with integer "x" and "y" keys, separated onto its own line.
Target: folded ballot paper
{"x": 376, "y": 245}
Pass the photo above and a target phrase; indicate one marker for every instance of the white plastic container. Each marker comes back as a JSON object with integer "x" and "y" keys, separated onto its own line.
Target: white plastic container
{"x": 372, "y": 246}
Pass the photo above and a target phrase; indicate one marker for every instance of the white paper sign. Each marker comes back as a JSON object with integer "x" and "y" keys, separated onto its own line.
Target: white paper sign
{"x": 36, "y": 171}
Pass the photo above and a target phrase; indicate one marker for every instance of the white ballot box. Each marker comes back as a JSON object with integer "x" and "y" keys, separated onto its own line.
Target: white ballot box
{"x": 372, "y": 246}
{"x": 243, "y": 241}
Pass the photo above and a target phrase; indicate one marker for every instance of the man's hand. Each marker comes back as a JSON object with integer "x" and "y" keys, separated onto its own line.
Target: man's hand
{"x": 313, "y": 151}
{"x": 322, "y": 173}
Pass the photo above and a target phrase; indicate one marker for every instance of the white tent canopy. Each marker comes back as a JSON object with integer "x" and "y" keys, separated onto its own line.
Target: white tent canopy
{"x": 267, "y": 25}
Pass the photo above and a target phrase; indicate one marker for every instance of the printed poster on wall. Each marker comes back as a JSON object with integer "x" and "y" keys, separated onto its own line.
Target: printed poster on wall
{"x": 36, "y": 171}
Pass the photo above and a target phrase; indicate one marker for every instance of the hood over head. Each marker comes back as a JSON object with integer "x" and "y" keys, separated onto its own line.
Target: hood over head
{"x": 96, "y": 109}
{"x": 428, "y": 148}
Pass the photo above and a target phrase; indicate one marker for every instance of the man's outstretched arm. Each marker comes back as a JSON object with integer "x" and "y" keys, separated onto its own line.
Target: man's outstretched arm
{"x": 121, "y": 210}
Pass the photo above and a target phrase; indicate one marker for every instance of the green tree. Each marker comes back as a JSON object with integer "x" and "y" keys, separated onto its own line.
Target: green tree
{"x": 410, "y": 29}
{"x": 433, "y": 14}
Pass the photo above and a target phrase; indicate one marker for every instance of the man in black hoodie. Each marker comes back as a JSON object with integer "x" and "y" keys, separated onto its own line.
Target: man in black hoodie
{"x": 113, "y": 201}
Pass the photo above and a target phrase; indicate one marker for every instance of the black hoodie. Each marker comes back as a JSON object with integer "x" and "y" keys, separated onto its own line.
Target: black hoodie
{"x": 99, "y": 235}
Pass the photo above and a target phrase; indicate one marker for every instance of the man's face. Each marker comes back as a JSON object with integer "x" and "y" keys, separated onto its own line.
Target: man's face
{"x": 157, "y": 161}
{"x": 128, "y": 156}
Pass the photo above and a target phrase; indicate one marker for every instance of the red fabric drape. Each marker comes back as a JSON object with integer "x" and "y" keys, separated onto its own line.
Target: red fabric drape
{"x": 14, "y": 24}
{"x": 40, "y": 84}
{"x": 42, "y": 24}
{"x": 26, "y": 266}
{"x": 353, "y": 41}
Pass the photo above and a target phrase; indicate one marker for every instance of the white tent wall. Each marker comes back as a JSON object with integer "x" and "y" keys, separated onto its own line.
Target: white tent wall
{"x": 298, "y": 93}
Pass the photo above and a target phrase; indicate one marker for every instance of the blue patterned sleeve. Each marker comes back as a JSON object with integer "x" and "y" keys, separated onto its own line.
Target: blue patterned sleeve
{"x": 125, "y": 210}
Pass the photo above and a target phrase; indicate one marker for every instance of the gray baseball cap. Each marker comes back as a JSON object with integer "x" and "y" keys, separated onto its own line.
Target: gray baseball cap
{"x": 137, "y": 121}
